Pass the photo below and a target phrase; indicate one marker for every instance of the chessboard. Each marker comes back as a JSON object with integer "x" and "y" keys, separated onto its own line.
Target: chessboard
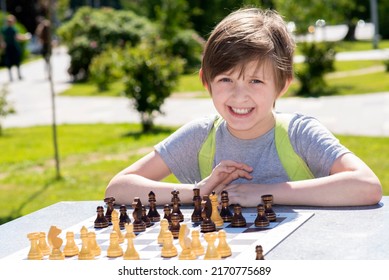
{"x": 241, "y": 240}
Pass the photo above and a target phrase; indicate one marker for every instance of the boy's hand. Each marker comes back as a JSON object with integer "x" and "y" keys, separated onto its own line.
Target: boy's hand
{"x": 224, "y": 173}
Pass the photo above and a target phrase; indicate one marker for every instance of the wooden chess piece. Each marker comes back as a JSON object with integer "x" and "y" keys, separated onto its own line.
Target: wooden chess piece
{"x": 186, "y": 244}
{"x": 94, "y": 247}
{"x": 174, "y": 227}
{"x": 35, "y": 252}
{"x": 45, "y": 248}
{"x": 114, "y": 250}
{"x": 146, "y": 218}
{"x": 168, "y": 248}
{"x": 259, "y": 252}
{"x": 238, "y": 220}
{"x": 197, "y": 247}
{"x": 131, "y": 253}
{"x": 123, "y": 218}
{"x": 167, "y": 213}
{"x": 109, "y": 201}
{"x": 215, "y": 215}
{"x": 70, "y": 248}
{"x": 115, "y": 225}
{"x": 225, "y": 211}
{"x": 153, "y": 214}
{"x": 261, "y": 220}
{"x": 223, "y": 248}
{"x": 196, "y": 215}
{"x": 85, "y": 252}
{"x": 211, "y": 252}
{"x": 56, "y": 253}
{"x": 176, "y": 205}
{"x": 162, "y": 233}
{"x": 207, "y": 225}
{"x": 268, "y": 202}
{"x": 139, "y": 224}
{"x": 101, "y": 221}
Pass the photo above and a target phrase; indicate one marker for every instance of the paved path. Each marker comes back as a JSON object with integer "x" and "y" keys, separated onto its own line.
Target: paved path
{"x": 358, "y": 115}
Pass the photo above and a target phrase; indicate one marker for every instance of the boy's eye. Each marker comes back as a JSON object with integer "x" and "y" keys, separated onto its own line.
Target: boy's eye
{"x": 226, "y": 80}
{"x": 256, "y": 81}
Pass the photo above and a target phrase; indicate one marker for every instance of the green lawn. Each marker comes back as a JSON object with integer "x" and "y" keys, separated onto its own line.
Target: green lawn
{"x": 91, "y": 154}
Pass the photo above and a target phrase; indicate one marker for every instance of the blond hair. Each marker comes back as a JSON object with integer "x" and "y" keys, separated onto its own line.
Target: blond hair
{"x": 249, "y": 34}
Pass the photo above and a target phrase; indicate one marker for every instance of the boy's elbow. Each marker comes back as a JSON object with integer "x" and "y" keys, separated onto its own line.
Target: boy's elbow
{"x": 374, "y": 192}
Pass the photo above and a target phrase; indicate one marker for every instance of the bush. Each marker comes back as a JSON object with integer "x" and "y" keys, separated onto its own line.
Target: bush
{"x": 319, "y": 60}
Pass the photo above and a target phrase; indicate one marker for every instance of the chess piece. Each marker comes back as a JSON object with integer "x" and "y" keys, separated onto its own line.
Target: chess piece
{"x": 261, "y": 220}
{"x": 196, "y": 215}
{"x": 45, "y": 248}
{"x": 268, "y": 202}
{"x": 131, "y": 253}
{"x": 223, "y": 248}
{"x": 197, "y": 247}
{"x": 167, "y": 213}
{"x": 70, "y": 248}
{"x": 176, "y": 205}
{"x": 162, "y": 233}
{"x": 225, "y": 211}
{"x": 123, "y": 218}
{"x": 139, "y": 224}
{"x": 115, "y": 225}
{"x": 207, "y": 225}
{"x": 186, "y": 244}
{"x": 168, "y": 248}
{"x": 101, "y": 221}
{"x": 215, "y": 215}
{"x": 174, "y": 227}
{"x": 259, "y": 252}
{"x": 114, "y": 250}
{"x": 94, "y": 247}
{"x": 238, "y": 220}
{"x": 109, "y": 201}
{"x": 85, "y": 252}
{"x": 153, "y": 214}
{"x": 35, "y": 252}
{"x": 56, "y": 253}
{"x": 211, "y": 252}
{"x": 146, "y": 218}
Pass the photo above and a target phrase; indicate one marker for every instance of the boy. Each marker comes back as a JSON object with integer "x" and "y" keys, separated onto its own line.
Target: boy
{"x": 247, "y": 65}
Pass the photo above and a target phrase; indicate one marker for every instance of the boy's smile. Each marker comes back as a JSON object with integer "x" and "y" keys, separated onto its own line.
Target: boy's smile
{"x": 245, "y": 98}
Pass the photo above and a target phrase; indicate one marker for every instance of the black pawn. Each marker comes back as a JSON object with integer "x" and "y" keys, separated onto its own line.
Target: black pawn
{"x": 145, "y": 218}
{"x": 238, "y": 220}
{"x": 261, "y": 219}
{"x": 167, "y": 213}
{"x": 101, "y": 221}
{"x": 123, "y": 218}
{"x": 175, "y": 226}
{"x": 225, "y": 211}
{"x": 268, "y": 202}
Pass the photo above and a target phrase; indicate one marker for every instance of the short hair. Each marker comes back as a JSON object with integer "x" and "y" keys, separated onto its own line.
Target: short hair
{"x": 245, "y": 35}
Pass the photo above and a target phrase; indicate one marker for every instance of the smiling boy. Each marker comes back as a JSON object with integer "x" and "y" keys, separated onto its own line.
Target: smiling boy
{"x": 248, "y": 64}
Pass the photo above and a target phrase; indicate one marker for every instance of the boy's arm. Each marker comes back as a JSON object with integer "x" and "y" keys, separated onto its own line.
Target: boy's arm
{"x": 144, "y": 176}
{"x": 351, "y": 183}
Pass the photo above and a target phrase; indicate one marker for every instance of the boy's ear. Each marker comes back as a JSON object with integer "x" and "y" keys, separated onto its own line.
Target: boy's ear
{"x": 201, "y": 79}
{"x": 286, "y": 87}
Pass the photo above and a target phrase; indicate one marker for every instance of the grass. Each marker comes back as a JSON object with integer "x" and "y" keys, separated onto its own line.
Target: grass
{"x": 90, "y": 156}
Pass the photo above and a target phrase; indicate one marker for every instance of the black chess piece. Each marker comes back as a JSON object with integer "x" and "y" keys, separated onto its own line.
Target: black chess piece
{"x": 101, "y": 221}
{"x": 176, "y": 205}
{"x": 207, "y": 225}
{"x": 238, "y": 220}
{"x": 225, "y": 211}
{"x": 268, "y": 202}
{"x": 196, "y": 215}
{"x": 175, "y": 226}
{"x": 261, "y": 220}
{"x": 167, "y": 213}
{"x": 259, "y": 253}
{"x": 153, "y": 214}
{"x": 145, "y": 218}
{"x": 123, "y": 218}
{"x": 108, "y": 214}
{"x": 139, "y": 224}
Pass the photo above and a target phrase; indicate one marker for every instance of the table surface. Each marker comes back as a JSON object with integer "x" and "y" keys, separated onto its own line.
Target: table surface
{"x": 333, "y": 233}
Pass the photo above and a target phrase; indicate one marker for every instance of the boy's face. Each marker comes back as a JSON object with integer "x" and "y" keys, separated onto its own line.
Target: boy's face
{"x": 245, "y": 99}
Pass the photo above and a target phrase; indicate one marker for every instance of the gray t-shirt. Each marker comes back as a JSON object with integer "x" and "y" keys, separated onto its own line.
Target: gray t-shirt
{"x": 315, "y": 144}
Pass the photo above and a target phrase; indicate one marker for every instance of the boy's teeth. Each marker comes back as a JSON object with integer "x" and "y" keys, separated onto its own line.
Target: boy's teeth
{"x": 241, "y": 111}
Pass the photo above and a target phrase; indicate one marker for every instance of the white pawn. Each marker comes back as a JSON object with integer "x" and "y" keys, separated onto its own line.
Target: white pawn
{"x": 168, "y": 248}
{"x": 164, "y": 228}
{"x": 223, "y": 248}
{"x": 197, "y": 247}
{"x": 114, "y": 250}
{"x": 70, "y": 248}
{"x": 131, "y": 253}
